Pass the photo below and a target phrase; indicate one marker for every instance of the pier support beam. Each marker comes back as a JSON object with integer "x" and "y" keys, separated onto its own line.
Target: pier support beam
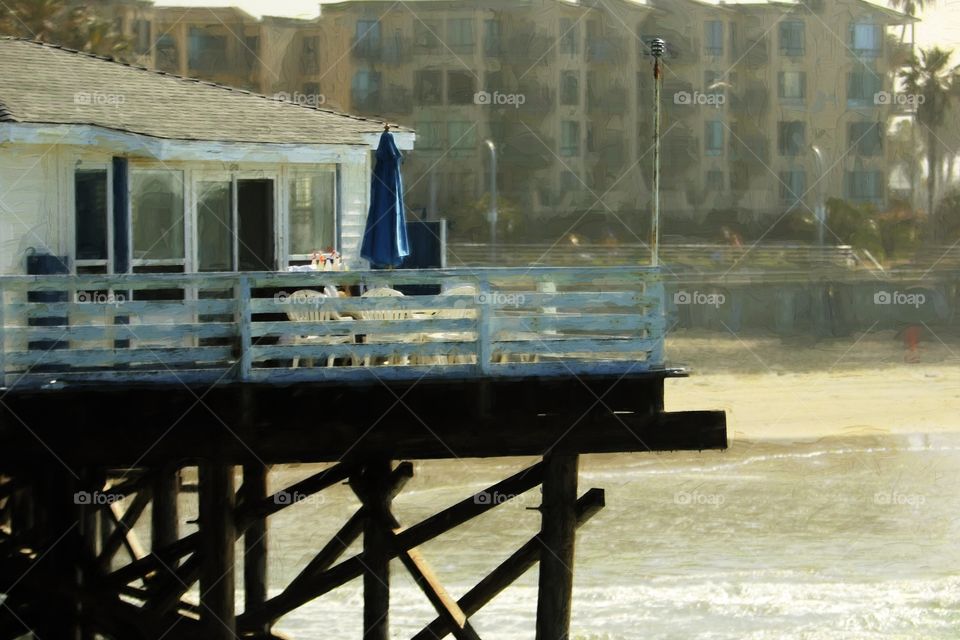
{"x": 255, "y": 543}
{"x": 375, "y": 483}
{"x": 217, "y": 538}
{"x": 557, "y": 536}
{"x": 164, "y": 529}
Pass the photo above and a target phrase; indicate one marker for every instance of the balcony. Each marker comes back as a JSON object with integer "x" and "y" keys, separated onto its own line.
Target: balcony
{"x": 391, "y": 50}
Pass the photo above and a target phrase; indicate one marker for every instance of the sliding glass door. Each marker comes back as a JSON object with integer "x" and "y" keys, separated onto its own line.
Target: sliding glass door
{"x": 235, "y": 224}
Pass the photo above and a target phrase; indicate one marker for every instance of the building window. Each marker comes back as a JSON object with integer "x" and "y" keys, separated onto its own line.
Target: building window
{"x": 142, "y": 36}
{"x": 569, "y": 138}
{"x": 713, "y": 138}
{"x": 309, "y": 61}
{"x": 792, "y": 41}
{"x": 460, "y": 34}
{"x": 156, "y": 214}
{"x": 570, "y": 88}
{"x": 569, "y": 36}
{"x": 714, "y": 180}
{"x": 462, "y": 138}
{"x": 215, "y": 225}
{"x": 207, "y": 52}
{"x": 791, "y": 138}
{"x": 713, "y": 38}
{"x": 866, "y": 40}
{"x": 792, "y": 85}
{"x": 426, "y": 35}
{"x": 866, "y": 137}
{"x": 367, "y": 41}
{"x": 461, "y": 87}
{"x": 92, "y": 210}
{"x": 167, "y": 58}
{"x": 864, "y": 186}
{"x": 491, "y": 38}
{"x": 862, "y": 87}
{"x": 365, "y": 90}
{"x": 313, "y": 211}
{"x": 429, "y": 136}
{"x": 793, "y": 184}
{"x": 427, "y": 87}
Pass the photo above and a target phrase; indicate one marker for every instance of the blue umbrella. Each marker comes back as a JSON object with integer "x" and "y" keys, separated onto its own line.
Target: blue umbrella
{"x": 385, "y": 238}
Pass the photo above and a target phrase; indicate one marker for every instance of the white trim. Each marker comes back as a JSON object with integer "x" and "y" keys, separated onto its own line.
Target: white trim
{"x": 121, "y": 142}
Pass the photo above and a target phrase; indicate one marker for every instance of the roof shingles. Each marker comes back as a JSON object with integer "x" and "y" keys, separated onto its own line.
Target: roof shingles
{"x": 44, "y": 83}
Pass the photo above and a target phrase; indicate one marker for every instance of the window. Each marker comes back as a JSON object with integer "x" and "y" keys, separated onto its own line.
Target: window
{"x": 713, "y": 38}
{"x": 427, "y": 87}
{"x": 142, "y": 35}
{"x": 569, "y": 138}
{"x": 791, "y": 138}
{"x": 569, "y": 36}
{"x": 864, "y": 186}
{"x": 491, "y": 38}
{"x": 215, "y": 225}
{"x": 713, "y": 138}
{"x": 866, "y": 137}
{"x": 429, "y": 136}
{"x": 461, "y": 86}
{"x": 156, "y": 214}
{"x": 462, "y": 138}
{"x": 309, "y": 62}
{"x": 313, "y": 211}
{"x": 866, "y": 40}
{"x": 92, "y": 207}
{"x": 570, "y": 88}
{"x": 793, "y": 184}
{"x": 714, "y": 180}
{"x": 167, "y": 58}
{"x": 426, "y": 35}
{"x": 862, "y": 86}
{"x": 792, "y": 85}
{"x": 460, "y": 34}
{"x": 792, "y": 38}
{"x": 365, "y": 89}
{"x": 251, "y": 49}
{"x": 206, "y": 51}
{"x": 367, "y": 41}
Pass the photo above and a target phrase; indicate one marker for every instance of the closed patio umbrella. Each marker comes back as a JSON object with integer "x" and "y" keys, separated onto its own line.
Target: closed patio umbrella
{"x": 385, "y": 237}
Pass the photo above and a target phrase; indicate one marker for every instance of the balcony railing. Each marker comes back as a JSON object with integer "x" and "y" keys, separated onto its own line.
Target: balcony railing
{"x": 263, "y": 327}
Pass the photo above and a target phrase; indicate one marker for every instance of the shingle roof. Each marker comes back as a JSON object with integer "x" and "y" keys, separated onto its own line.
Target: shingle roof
{"x": 44, "y": 83}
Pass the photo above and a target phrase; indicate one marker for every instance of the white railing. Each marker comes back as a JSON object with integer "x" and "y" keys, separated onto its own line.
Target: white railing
{"x": 275, "y": 327}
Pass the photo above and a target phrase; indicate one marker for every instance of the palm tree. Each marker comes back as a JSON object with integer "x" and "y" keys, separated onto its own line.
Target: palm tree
{"x": 933, "y": 83}
{"x": 62, "y": 22}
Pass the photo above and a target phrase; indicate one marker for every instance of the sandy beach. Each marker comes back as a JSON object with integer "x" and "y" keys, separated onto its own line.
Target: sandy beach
{"x": 802, "y": 389}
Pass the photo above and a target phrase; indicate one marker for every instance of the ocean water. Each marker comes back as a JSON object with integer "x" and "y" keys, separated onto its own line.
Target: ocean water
{"x": 836, "y": 538}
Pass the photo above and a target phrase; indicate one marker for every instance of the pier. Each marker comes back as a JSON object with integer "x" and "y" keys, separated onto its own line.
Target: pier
{"x": 116, "y": 384}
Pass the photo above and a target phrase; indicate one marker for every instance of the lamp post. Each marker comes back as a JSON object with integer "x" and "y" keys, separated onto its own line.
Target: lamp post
{"x": 657, "y": 48}
{"x": 820, "y": 212}
{"x": 492, "y": 214}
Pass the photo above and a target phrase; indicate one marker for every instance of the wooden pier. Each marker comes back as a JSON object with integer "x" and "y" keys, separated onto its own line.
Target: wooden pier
{"x": 114, "y": 385}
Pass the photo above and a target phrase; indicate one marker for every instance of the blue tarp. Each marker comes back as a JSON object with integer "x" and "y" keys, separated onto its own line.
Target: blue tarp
{"x": 385, "y": 238}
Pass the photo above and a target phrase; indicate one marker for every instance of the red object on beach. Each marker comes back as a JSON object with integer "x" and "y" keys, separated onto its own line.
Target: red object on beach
{"x": 911, "y": 340}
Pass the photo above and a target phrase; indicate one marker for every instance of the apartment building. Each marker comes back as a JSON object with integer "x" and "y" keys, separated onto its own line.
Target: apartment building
{"x": 766, "y": 106}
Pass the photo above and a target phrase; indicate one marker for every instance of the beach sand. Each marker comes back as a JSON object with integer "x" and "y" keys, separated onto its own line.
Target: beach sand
{"x": 805, "y": 389}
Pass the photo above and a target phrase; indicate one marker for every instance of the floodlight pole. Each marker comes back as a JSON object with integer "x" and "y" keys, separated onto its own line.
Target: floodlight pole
{"x": 657, "y": 48}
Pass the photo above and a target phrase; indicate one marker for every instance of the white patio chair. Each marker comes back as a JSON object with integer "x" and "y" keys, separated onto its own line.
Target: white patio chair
{"x": 387, "y": 314}
{"x": 308, "y": 306}
{"x": 452, "y": 313}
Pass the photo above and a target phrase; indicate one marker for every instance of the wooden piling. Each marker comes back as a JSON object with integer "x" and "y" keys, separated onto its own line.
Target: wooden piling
{"x": 255, "y": 542}
{"x": 376, "y": 551}
{"x": 557, "y": 535}
{"x": 217, "y": 538}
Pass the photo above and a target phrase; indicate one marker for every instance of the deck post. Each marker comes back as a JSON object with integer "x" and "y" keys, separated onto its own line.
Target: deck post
{"x": 557, "y": 535}
{"x": 163, "y": 515}
{"x": 255, "y": 542}
{"x": 376, "y": 551}
{"x": 217, "y": 538}
{"x": 243, "y": 319}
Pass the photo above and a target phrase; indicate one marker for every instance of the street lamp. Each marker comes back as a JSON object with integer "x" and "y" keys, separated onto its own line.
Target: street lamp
{"x": 492, "y": 214}
{"x": 657, "y": 48}
{"x": 820, "y": 212}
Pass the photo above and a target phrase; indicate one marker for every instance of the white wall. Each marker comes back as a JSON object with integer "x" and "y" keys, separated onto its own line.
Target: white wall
{"x": 354, "y": 202}
{"x": 29, "y": 201}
